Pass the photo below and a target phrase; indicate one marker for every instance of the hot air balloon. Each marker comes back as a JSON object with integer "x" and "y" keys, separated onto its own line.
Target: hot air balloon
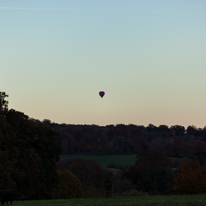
{"x": 101, "y": 94}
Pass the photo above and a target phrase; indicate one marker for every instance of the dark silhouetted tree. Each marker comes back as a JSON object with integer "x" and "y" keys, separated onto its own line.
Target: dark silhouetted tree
{"x": 191, "y": 179}
{"x": 146, "y": 172}
{"x": 177, "y": 130}
{"x": 28, "y": 155}
{"x": 3, "y": 104}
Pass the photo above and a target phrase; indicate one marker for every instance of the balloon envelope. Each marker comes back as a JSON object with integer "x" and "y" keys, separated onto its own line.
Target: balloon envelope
{"x": 101, "y": 94}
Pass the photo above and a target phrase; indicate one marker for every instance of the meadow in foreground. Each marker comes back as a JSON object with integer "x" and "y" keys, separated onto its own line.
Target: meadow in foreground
{"x": 170, "y": 200}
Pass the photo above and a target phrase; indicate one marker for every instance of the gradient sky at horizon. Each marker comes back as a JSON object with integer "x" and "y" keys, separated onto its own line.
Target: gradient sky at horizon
{"x": 148, "y": 56}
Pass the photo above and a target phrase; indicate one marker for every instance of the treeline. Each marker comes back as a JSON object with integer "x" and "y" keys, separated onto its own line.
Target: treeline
{"x": 170, "y": 160}
{"x": 175, "y": 141}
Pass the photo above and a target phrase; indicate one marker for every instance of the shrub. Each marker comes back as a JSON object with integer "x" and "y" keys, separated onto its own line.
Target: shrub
{"x": 89, "y": 172}
{"x": 69, "y": 186}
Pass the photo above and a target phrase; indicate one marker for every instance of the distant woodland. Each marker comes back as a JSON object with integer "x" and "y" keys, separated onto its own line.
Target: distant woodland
{"x": 175, "y": 141}
{"x": 169, "y": 160}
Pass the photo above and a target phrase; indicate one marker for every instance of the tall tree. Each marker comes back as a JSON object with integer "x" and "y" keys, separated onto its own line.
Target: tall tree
{"x": 8, "y": 154}
{"x": 47, "y": 148}
{"x": 3, "y": 104}
{"x": 151, "y": 172}
{"x": 30, "y": 152}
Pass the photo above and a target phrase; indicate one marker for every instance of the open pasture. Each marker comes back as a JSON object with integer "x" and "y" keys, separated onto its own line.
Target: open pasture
{"x": 170, "y": 200}
{"x": 105, "y": 159}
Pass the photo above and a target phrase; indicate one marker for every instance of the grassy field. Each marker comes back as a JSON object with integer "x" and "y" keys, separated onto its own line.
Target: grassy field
{"x": 173, "y": 200}
{"x": 105, "y": 159}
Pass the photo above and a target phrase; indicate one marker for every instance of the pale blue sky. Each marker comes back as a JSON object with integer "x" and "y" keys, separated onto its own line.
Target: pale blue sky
{"x": 148, "y": 56}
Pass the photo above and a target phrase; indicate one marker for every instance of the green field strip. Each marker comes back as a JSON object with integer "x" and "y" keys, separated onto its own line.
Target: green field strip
{"x": 123, "y": 160}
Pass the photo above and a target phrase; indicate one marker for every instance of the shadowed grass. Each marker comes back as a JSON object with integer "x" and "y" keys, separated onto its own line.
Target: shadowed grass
{"x": 173, "y": 200}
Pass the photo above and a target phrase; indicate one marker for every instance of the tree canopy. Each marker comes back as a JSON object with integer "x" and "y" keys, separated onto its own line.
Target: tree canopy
{"x": 28, "y": 155}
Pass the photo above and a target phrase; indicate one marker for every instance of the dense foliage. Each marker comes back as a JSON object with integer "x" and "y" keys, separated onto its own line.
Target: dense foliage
{"x": 89, "y": 172}
{"x": 28, "y": 155}
{"x": 191, "y": 179}
{"x": 69, "y": 186}
{"x": 151, "y": 173}
{"x": 175, "y": 141}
